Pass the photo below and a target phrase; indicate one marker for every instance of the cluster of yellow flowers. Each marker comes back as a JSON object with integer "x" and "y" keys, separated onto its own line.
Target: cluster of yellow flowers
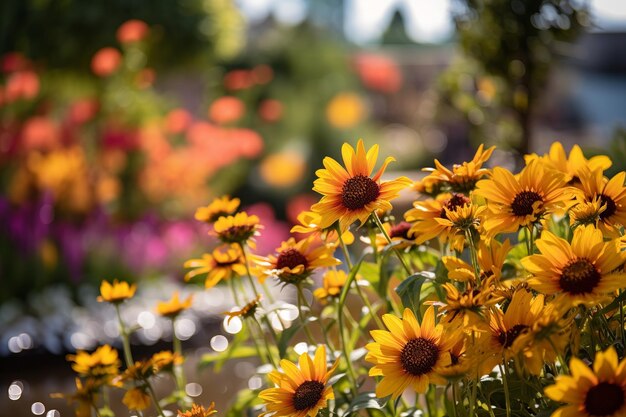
{"x": 490, "y": 297}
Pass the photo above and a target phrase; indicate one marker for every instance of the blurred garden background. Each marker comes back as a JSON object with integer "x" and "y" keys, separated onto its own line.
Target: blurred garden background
{"x": 118, "y": 118}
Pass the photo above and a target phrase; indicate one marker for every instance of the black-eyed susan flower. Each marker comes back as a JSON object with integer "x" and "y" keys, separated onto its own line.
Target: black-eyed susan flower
{"x": 300, "y": 391}
{"x": 165, "y": 361}
{"x": 350, "y": 194}
{"x": 223, "y": 263}
{"x": 461, "y": 178}
{"x": 174, "y": 306}
{"x": 246, "y": 311}
{"x": 432, "y": 219}
{"x": 600, "y": 392}
{"x": 116, "y": 292}
{"x": 332, "y": 284}
{"x": 399, "y": 233}
{"x": 84, "y": 397}
{"x": 239, "y": 228}
{"x": 521, "y": 200}
{"x": 309, "y": 224}
{"x": 136, "y": 399}
{"x": 612, "y": 194}
{"x": 587, "y": 212}
{"x": 223, "y": 206}
{"x": 198, "y": 411}
{"x": 102, "y": 364}
{"x": 409, "y": 354}
{"x": 584, "y": 272}
{"x": 490, "y": 261}
{"x": 295, "y": 261}
{"x": 572, "y": 165}
{"x": 465, "y": 309}
{"x": 506, "y": 331}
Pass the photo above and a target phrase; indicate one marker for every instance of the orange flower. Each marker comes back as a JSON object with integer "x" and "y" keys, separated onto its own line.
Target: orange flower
{"x": 226, "y": 110}
{"x": 106, "y": 61}
{"x": 132, "y": 30}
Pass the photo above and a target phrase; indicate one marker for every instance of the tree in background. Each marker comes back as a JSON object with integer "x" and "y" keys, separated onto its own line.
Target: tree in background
{"x": 508, "y": 47}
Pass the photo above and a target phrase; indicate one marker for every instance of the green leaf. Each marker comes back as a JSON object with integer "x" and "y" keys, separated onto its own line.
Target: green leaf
{"x": 371, "y": 273}
{"x": 245, "y": 400}
{"x": 614, "y": 304}
{"x": 409, "y": 290}
{"x": 220, "y": 358}
{"x": 288, "y": 334}
{"x": 366, "y": 400}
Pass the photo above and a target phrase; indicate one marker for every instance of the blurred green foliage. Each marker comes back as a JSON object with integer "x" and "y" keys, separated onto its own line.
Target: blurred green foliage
{"x": 508, "y": 47}
{"x": 66, "y": 33}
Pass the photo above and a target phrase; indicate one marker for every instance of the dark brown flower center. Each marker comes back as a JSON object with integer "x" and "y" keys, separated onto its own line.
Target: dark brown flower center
{"x": 604, "y": 399}
{"x": 507, "y": 338}
{"x": 457, "y": 200}
{"x": 359, "y": 191}
{"x": 400, "y": 230}
{"x": 610, "y": 207}
{"x": 523, "y": 203}
{"x": 419, "y": 356}
{"x": 307, "y": 395}
{"x": 579, "y": 276}
{"x": 236, "y": 234}
{"x": 226, "y": 264}
{"x": 291, "y": 258}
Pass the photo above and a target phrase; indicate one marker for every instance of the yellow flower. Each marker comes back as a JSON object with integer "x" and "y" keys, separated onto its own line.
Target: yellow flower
{"x": 409, "y": 354}
{"x": 85, "y": 396}
{"x": 165, "y": 360}
{"x": 174, "y": 306}
{"x": 309, "y": 224}
{"x": 490, "y": 260}
{"x": 570, "y": 166}
{"x": 236, "y": 229}
{"x": 592, "y": 393}
{"x": 296, "y": 261}
{"x": 508, "y": 332}
{"x": 461, "y": 178}
{"x": 198, "y": 411}
{"x": 302, "y": 391}
{"x": 284, "y": 169}
{"x": 136, "y": 399}
{"x": 584, "y": 272}
{"x": 612, "y": 195}
{"x": 223, "y": 263}
{"x": 117, "y": 292}
{"x": 246, "y": 311}
{"x": 587, "y": 212}
{"x": 350, "y": 194}
{"x": 219, "y": 207}
{"x": 464, "y": 309}
{"x": 521, "y": 200}
{"x": 101, "y": 364}
{"x": 332, "y": 284}
{"x": 431, "y": 218}
{"x": 345, "y": 110}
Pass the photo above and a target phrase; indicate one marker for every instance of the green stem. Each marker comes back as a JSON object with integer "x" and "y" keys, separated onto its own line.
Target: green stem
{"x": 179, "y": 372}
{"x": 406, "y": 266}
{"x": 621, "y": 317}
{"x": 256, "y": 292}
{"x": 473, "y": 254}
{"x": 301, "y": 303}
{"x": 365, "y": 300}
{"x": 266, "y": 343}
{"x": 345, "y": 350}
{"x": 507, "y": 394}
{"x": 454, "y": 411}
{"x": 154, "y": 398}
{"x": 128, "y": 356}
